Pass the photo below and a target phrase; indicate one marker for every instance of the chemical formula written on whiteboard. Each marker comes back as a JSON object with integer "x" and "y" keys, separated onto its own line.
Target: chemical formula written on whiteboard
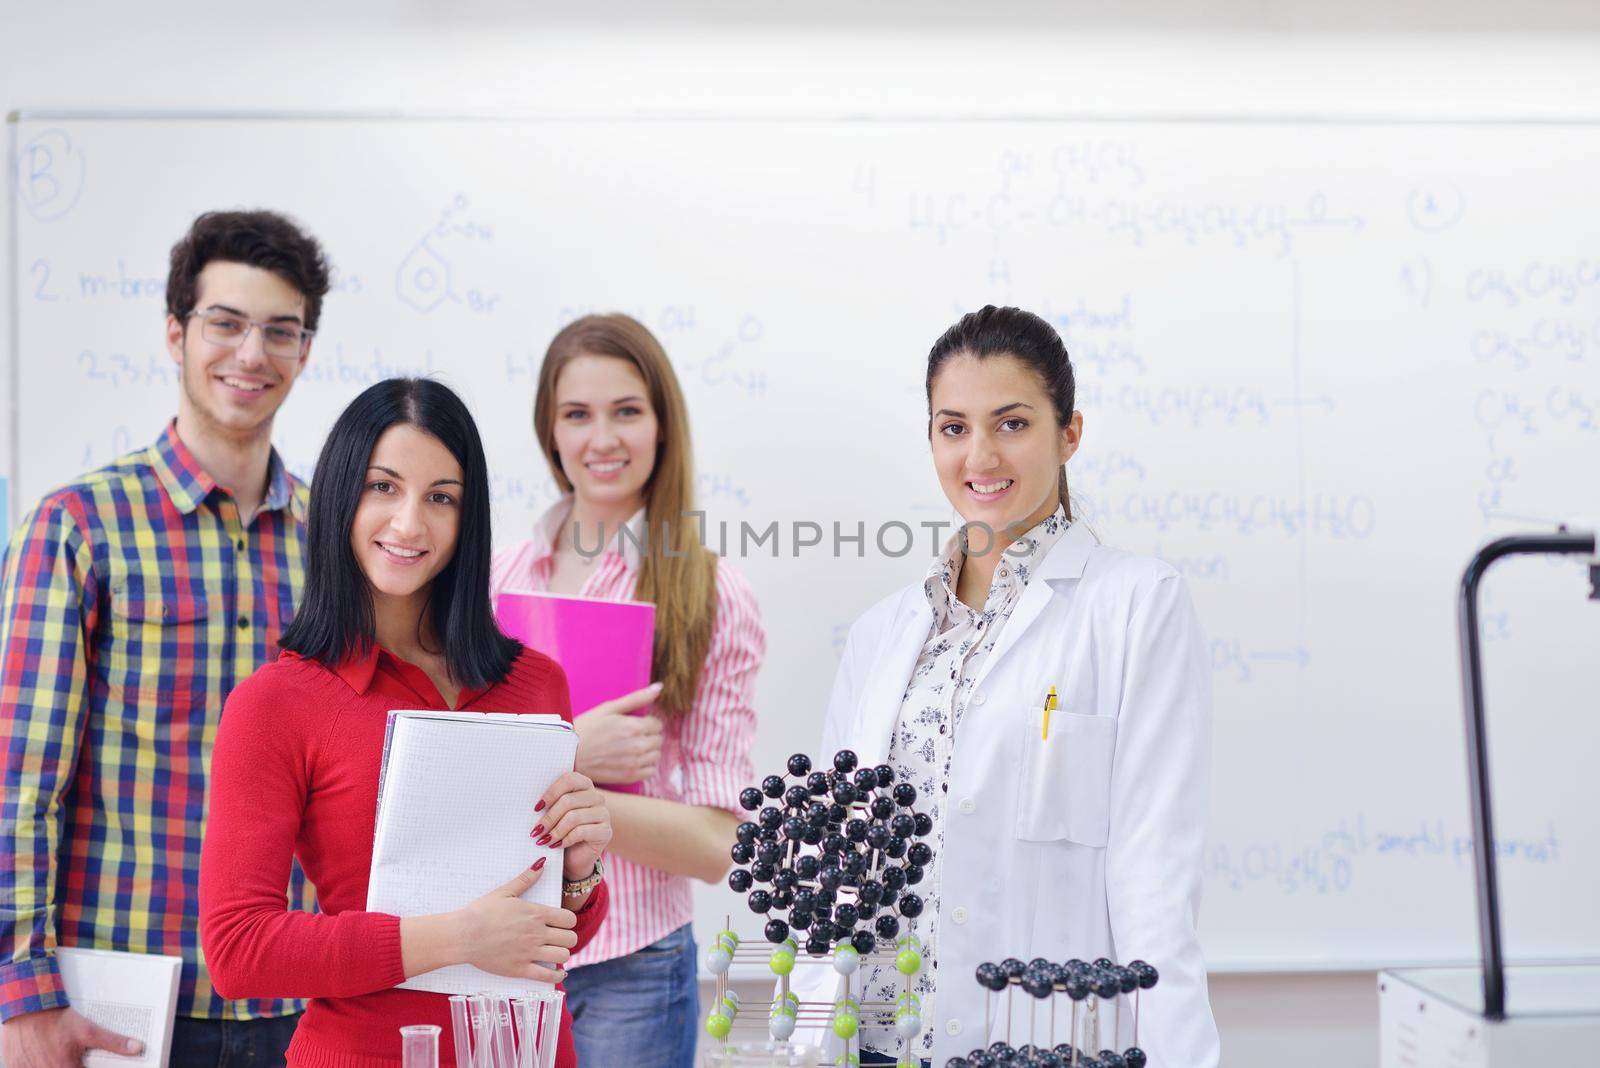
{"x": 1332, "y": 861}
{"x": 1030, "y": 192}
{"x": 430, "y": 275}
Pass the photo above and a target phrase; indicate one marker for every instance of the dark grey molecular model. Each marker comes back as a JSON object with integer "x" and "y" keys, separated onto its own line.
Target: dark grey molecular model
{"x": 829, "y": 858}
{"x": 864, "y": 846}
{"x": 1089, "y": 988}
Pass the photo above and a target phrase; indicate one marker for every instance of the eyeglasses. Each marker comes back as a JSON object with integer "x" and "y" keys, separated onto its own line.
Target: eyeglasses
{"x": 280, "y": 340}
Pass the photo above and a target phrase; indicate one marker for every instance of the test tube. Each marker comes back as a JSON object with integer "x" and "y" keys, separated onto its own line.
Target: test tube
{"x": 505, "y": 1048}
{"x": 539, "y": 1021}
{"x": 550, "y": 1027}
{"x": 461, "y": 1029}
{"x": 483, "y": 1033}
{"x": 527, "y": 1014}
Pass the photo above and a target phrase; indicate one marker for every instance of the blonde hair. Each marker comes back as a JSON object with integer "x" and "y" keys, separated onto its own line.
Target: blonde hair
{"x": 676, "y": 573}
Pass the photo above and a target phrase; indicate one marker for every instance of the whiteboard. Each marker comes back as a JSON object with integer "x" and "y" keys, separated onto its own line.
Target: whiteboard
{"x": 1319, "y": 364}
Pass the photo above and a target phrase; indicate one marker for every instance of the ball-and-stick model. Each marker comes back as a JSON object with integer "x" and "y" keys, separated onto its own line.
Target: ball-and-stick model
{"x": 1086, "y": 986}
{"x": 829, "y": 858}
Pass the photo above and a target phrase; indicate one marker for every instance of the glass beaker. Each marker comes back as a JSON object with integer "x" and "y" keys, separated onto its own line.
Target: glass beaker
{"x": 419, "y": 1046}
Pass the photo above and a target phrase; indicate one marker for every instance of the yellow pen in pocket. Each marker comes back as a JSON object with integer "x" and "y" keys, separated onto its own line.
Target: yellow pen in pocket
{"x": 1049, "y": 707}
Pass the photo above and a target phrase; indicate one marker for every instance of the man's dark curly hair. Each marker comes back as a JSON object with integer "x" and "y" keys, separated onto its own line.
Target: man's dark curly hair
{"x": 262, "y": 239}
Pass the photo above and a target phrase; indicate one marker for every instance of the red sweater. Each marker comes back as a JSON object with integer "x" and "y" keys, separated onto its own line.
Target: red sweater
{"x": 295, "y": 774}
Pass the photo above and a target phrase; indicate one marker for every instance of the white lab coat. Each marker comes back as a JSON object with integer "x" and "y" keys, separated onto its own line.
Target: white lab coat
{"x": 1087, "y": 844}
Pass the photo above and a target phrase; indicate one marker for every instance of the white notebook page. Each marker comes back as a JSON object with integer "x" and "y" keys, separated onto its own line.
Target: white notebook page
{"x": 455, "y": 805}
{"x": 133, "y": 994}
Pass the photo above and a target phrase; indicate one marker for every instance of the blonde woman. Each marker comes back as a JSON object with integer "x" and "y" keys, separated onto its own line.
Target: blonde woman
{"x": 610, "y": 418}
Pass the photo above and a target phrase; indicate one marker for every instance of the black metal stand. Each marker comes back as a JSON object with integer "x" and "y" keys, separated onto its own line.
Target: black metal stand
{"x": 1560, "y": 543}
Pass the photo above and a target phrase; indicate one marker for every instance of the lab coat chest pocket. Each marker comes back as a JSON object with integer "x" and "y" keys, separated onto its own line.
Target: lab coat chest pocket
{"x": 1065, "y": 787}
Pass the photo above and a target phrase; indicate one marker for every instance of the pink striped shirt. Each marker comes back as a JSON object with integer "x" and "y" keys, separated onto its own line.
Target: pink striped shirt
{"x": 705, "y": 753}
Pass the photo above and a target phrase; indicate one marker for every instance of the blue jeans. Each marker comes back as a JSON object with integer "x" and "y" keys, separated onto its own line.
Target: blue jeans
{"x": 638, "y": 1011}
{"x": 231, "y": 1043}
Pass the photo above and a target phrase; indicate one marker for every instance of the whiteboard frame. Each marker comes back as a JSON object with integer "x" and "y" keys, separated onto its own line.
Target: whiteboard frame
{"x": 8, "y": 501}
{"x": 689, "y": 115}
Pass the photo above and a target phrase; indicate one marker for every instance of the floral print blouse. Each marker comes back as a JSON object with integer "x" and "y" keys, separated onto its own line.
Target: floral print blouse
{"x": 958, "y": 644}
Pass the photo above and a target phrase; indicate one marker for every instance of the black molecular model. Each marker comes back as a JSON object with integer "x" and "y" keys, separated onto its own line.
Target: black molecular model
{"x": 829, "y": 859}
{"x": 1087, "y": 987}
{"x": 864, "y": 834}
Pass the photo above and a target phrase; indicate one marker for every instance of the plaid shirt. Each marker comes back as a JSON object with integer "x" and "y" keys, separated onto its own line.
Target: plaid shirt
{"x": 132, "y": 602}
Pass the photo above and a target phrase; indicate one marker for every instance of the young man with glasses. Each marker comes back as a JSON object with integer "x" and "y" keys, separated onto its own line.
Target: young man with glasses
{"x": 131, "y": 602}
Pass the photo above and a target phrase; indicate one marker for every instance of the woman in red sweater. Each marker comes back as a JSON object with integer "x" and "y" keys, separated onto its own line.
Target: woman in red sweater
{"x": 395, "y": 614}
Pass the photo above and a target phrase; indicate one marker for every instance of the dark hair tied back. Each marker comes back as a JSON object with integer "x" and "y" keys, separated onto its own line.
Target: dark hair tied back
{"x": 335, "y": 619}
{"x": 992, "y": 331}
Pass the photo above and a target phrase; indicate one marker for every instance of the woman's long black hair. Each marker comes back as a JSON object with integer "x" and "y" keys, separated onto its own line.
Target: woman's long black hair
{"x": 335, "y": 618}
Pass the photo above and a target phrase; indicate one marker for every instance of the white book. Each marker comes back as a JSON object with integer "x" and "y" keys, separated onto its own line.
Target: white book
{"x": 133, "y": 994}
{"x": 455, "y": 805}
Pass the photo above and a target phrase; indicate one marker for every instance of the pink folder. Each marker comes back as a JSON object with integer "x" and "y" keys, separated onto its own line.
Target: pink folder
{"x": 603, "y": 646}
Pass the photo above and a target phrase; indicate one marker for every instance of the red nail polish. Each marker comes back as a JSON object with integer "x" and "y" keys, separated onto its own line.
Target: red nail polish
{"x": 537, "y": 831}
{"x": 544, "y": 841}
{"x": 538, "y": 864}
{"x": 539, "y": 807}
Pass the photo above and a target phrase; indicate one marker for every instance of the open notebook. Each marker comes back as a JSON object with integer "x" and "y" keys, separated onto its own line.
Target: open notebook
{"x": 455, "y": 805}
{"x": 133, "y": 994}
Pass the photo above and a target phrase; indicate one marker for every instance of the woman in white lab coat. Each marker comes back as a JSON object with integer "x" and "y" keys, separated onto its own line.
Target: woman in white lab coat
{"x": 1081, "y": 841}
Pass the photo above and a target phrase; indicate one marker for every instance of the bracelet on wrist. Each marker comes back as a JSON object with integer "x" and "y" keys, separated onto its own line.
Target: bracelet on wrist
{"x": 579, "y": 887}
